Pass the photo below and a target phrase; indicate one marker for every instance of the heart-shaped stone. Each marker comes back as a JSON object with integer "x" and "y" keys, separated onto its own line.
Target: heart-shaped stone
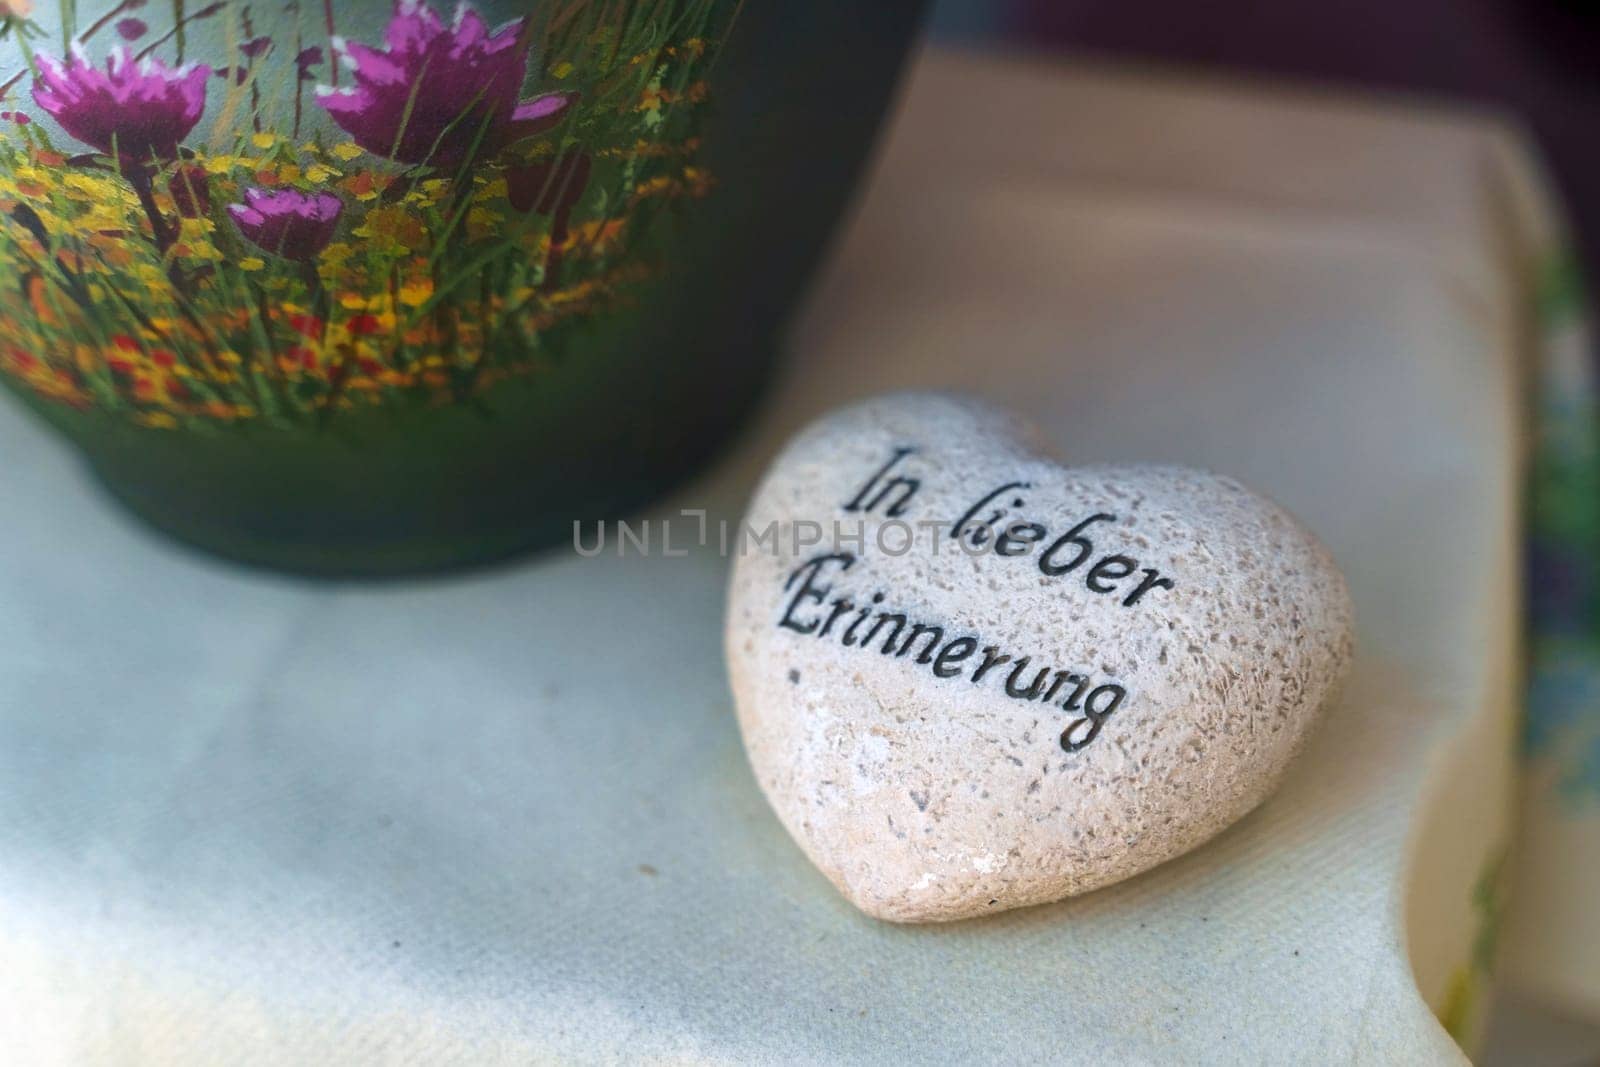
{"x": 971, "y": 679}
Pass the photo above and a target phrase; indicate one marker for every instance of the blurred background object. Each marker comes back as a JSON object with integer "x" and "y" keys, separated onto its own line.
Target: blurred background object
{"x": 1535, "y": 59}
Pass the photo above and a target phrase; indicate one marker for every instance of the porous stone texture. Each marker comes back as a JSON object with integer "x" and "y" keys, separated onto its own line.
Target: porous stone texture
{"x": 1098, "y": 670}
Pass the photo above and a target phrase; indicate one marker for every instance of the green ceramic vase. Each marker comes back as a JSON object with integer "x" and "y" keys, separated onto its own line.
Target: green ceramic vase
{"x": 369, "y": 288}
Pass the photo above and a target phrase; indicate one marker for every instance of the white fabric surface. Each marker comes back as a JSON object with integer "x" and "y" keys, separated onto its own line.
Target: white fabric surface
{"x": 252, "y": 820}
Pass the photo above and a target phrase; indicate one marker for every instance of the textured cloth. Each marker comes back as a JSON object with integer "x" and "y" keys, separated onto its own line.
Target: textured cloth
{"x": 505, "y": 818}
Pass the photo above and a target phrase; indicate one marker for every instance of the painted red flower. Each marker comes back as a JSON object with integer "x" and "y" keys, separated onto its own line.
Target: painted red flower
{"x": 549, "y": 186}
{"x": 190, "y": 191}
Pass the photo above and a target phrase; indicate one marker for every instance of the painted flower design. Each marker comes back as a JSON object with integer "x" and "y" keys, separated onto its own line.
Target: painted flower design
{"x": 136, "y": 203}
{"x": 139, "y": 110}
{"x": 439, "y": 93}
{"x": 288, "y": 223}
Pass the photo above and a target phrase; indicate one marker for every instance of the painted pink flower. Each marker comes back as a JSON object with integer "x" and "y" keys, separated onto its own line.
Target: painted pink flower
{"x": 438, "y": 92}
{"x": 288, "y": 223}
{"x": 139, "y": 110}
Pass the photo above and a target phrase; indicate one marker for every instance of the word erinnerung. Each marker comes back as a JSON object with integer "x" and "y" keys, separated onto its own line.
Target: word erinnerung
{"x": 947, "y": 652}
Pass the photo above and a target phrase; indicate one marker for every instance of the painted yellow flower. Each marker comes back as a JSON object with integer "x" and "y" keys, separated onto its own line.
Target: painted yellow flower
{"x": 415, "y": 294}
{"x": 78, "y": 185}
{"x": 112, "y": 251}
{"x": 483, "y": 223}
{"x": 391, "y": 229}
{"x": 336, "y": 255}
